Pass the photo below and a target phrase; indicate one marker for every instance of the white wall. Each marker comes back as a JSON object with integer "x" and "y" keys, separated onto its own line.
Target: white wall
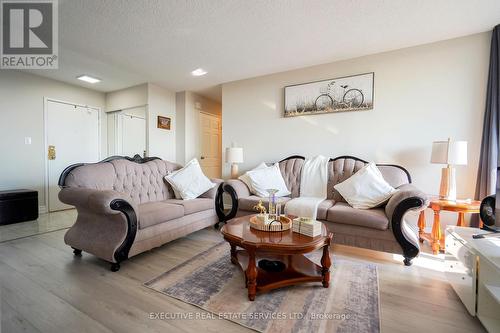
{"x": 127, "y": 98}
{"x": 189, "y": 105}
{"x": 158, "y": 102}
{"x": 422, "y": 94}
{"x": 21, "y": 115}
{"x": 161, "y": 142}
{"x": 180, "y": 136}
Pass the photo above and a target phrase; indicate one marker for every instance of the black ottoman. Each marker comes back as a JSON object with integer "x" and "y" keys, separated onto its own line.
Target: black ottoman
{"x": 18, "y": 206}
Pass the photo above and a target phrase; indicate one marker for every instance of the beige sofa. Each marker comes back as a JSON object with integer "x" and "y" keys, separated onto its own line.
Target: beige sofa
{"x": 382, "y": 228}
{"x": 125, "y": 207}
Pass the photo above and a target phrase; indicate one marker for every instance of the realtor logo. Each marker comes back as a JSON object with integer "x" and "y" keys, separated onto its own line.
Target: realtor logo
{"x": 29, "y": 34}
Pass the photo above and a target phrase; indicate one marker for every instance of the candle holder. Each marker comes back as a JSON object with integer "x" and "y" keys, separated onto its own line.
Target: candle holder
{"x": 272, "y": 203}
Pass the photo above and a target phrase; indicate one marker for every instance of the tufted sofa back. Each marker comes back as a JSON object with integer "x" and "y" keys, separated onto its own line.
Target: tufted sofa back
{"x": 339, "y": 169}
{"x": 143, "y": 182}
{"x": 291, "y": 170}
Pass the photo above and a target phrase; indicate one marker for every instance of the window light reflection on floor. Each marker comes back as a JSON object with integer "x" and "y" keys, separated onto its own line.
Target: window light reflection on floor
{"x": 426, "y": 260}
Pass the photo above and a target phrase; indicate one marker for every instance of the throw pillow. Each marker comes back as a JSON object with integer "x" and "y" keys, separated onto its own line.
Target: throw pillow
{"x": 176, "y": 193}
{"x": 268, "y": 178}
{"x": 366, "y": 189}
{"x": 246, "y": 179}
{"x": 189, "y": 182}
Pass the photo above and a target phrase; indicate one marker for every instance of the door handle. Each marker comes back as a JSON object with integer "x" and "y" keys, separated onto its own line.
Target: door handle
{"x": 202, "y": 157}
{"x": 51, "y": 154}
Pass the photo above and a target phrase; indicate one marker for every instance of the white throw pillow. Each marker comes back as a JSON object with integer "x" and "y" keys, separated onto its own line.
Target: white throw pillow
{"x": 246, "y": 179}
{"x": 268, "y": 178}
{"x": 176, "y": 193}
{"x": 189, "y": 182}
{"x": 366, "y": 189}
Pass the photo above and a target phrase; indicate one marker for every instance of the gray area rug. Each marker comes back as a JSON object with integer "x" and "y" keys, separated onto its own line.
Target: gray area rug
{"x": 210, "y": 282}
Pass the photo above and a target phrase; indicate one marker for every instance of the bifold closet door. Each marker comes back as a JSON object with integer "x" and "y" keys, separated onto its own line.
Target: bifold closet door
{"x": 133, "y": 135}
{"x": 72, "y": 134}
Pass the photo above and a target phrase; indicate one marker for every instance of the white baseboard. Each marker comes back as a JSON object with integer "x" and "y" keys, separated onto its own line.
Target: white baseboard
{"x": 42, "y": 209}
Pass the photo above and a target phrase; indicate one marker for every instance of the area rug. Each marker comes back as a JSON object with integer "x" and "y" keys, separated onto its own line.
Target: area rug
{"x": 210, "y": 282}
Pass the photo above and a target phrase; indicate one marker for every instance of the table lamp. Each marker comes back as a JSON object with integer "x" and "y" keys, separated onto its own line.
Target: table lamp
{"x": 234, "y": 156}
{"x": 450, "y": 153}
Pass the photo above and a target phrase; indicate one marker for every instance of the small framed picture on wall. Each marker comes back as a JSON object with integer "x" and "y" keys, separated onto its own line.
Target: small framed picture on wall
{"x": 164, "y": 122}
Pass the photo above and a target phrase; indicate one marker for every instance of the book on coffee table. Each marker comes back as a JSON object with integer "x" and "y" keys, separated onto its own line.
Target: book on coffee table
{"x": 311, "y": 228}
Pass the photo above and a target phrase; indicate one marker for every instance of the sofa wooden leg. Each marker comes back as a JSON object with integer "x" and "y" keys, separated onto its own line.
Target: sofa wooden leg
{"x": 115, "y": 267}
{"x": 407, "y": 261}
{"x": 77, "y": 252}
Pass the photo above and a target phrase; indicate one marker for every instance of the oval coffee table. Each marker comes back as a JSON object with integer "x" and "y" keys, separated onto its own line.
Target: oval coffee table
{"x": 284, "y": 251}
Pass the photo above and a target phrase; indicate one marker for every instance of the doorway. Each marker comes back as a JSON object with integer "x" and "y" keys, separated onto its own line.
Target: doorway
{"x": 210, "y": 145}
{"x": 72, "y": 136}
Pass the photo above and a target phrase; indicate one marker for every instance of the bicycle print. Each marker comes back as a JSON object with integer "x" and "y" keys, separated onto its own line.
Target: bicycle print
{"x": 352, "y": 93}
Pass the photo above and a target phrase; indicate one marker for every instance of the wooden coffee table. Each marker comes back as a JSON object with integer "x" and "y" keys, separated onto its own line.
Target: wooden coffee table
{"x": 284, "y": 250}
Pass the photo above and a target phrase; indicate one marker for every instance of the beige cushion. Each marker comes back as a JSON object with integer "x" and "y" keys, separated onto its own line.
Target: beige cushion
{"x": 248, "y": 202}
{"x": 189, "y": 182}
{"x": 246, "y": 179}
{"x": 194, "y": 205}
{"x": 371, "y": 218}
{"x": 152, "y": 213}
{"x": 323, "y": 208}
{"x": 366, "y": 188}
{"x": 267, "y": 178}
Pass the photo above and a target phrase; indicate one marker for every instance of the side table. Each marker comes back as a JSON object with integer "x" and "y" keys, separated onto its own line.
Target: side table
{"x": 436, "y": 237}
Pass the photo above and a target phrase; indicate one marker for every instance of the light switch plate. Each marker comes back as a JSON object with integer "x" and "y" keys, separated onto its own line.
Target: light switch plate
{"x": 27, "y": 140}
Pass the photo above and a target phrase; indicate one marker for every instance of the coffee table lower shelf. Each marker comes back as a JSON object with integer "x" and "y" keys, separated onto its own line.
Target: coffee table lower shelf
{"x": 298, "y": 269}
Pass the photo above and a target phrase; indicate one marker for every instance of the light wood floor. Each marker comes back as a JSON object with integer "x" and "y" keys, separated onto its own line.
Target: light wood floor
{"x": 43, "y": 288}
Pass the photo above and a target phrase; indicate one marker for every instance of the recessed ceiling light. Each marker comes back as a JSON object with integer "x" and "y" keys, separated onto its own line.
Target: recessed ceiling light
{"x": 88, "y": 79}
{"x": 198, "y": 72}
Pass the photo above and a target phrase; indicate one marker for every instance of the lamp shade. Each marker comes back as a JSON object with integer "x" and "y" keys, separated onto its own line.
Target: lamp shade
{"x": 449, "y": 152}
{"x": 234, "y": 155}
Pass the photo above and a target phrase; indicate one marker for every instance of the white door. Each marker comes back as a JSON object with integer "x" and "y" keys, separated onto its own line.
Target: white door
{"x": 73, "y": 134}
{"x": 133, "y": 135}
{"x": 210, "y": 145}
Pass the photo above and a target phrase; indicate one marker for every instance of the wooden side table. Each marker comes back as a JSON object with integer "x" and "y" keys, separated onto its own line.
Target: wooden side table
{"x": 436, "y": 237}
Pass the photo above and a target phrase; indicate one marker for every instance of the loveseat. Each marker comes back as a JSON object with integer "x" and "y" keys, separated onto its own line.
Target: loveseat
{"x": 382, "y": 228}
{"x": 125, "y": 207}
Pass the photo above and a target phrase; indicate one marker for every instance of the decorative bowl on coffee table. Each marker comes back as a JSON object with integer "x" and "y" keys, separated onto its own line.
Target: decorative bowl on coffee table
{"x": 283, "y": 224}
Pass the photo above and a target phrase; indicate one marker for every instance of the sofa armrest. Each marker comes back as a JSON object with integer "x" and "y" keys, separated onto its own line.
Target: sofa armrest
{"x": 407, "y": 198}
{"x": 98, "y": 201}
{"x": 213, "y": 191}
{"x": 106, "y": 202}
{"x": 236, "y": 189}
{"x": 240, "y": 188}
{"x": 404, "y": 192}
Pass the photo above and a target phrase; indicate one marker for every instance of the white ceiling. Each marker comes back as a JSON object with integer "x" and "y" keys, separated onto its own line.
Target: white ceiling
{"x": 128, "y": 42}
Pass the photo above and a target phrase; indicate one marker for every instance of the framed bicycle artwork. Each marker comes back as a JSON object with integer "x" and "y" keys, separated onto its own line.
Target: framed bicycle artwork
{"x": 349, "y": 93}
